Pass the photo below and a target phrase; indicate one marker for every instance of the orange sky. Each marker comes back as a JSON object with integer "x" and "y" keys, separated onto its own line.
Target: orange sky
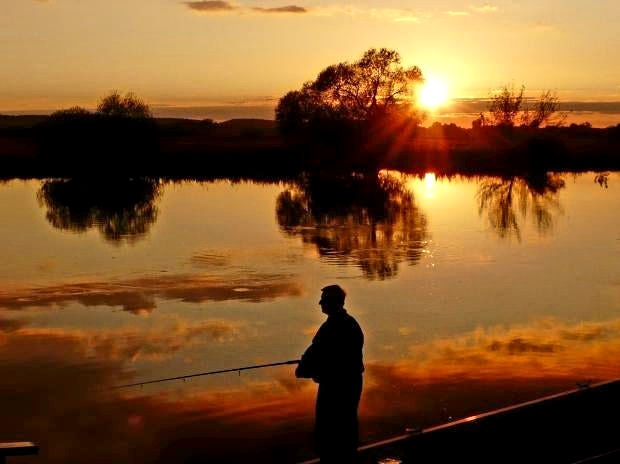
{"x": 57, "y": 53}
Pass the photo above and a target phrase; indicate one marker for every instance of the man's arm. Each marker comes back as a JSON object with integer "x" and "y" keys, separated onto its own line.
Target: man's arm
{"x": 308, "y": 365}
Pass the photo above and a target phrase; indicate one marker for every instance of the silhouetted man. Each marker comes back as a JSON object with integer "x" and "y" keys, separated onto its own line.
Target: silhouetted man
{"x": 334, "y": 361}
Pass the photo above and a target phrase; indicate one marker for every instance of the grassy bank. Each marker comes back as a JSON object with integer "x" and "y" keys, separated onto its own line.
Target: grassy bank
{"x": 30, "y": 146}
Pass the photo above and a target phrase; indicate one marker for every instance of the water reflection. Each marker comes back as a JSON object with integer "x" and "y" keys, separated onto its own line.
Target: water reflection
{"x": 371, "y": 222}
{"x": 51, "y": 377}
{"x": 123, "y": 210}
{"x": 602, "y": 179}
{"x": 56, "y": 393}
{"x": 139, "y": 295}
{"x": 508, "y": 201}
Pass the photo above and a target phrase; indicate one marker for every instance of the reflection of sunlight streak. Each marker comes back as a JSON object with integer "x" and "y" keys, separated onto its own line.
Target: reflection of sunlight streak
{"x": 429, "y": 185}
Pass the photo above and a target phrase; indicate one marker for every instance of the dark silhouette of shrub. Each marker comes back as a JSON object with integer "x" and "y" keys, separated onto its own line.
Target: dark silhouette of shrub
{"x": 128, "y": 106}
{"x": 115, "y": 140}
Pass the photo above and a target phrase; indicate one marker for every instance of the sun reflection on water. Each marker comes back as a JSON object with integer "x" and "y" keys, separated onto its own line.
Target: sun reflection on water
{"x": 429, "y": 185}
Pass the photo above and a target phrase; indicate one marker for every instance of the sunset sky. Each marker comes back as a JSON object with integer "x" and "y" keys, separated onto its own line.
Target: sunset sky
{"x": 58, "y": 53}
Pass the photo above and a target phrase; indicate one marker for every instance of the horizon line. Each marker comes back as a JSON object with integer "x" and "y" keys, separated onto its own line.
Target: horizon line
{"x": 273, "y": 103}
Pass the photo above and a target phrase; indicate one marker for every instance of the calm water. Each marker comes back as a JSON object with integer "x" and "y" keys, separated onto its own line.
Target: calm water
{"x": 472, "y": 292}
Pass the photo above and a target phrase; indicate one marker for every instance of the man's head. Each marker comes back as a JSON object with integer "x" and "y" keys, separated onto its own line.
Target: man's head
{"x": 332, "y": 299}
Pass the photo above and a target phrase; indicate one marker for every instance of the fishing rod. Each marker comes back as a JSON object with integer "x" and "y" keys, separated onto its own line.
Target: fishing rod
{"x": 200, "y": 374}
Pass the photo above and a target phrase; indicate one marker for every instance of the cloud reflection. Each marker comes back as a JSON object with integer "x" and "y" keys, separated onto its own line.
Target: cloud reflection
{"x": 52, "y": 378}
{"x": 139, "y": 295}
{"x": 12, "y": 325}
{"x": 546, "y": 347}
{"x": 130, "y": 344}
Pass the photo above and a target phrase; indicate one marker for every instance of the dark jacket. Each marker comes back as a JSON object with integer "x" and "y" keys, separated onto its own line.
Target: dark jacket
{"x": 335, "y": 352}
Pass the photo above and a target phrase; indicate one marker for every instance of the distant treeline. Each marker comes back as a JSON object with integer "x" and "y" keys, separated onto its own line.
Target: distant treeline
{"x": 93, "y": 145}
{"x": 353, "y": 117}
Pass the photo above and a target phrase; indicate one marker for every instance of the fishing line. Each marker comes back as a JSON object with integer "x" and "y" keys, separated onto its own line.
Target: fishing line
{"x": 200, "y": 374}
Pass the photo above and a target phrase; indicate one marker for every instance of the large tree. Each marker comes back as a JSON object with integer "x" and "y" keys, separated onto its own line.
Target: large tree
{"x": 374, "y": 86}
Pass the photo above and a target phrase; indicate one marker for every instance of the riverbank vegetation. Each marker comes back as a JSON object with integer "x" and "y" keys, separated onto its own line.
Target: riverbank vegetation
{"x": 353, "y": 117}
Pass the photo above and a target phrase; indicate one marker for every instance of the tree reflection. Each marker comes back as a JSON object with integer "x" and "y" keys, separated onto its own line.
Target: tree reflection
{"x": 371, "y": 222}
{"x": 602, "y": 179}
{"x": 123, "y": 210}
{"x": 510, "y": 200}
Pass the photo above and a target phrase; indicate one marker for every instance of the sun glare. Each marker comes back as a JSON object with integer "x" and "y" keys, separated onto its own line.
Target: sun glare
{"x": 433, "y": 94}
{"x": 429, "y": 184}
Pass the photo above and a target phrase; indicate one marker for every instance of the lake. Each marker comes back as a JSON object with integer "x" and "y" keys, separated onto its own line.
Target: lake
{"x": 473, "y": 293}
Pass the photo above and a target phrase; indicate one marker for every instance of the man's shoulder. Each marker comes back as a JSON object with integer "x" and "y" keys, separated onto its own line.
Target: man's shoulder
{"x": 348, "y": 322}
{"x": 349, "y": 317}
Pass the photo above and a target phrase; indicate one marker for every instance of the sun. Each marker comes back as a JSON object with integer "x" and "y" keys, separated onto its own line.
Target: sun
{"x": 433, "y": 93}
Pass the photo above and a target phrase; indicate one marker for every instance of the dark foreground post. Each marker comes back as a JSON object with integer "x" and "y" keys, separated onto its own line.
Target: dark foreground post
{"x": 19, "y": 448}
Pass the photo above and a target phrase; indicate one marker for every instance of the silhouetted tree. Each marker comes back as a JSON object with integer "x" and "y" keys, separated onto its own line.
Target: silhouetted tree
{"x": 128, "y": 105}
{"x": 119, "y": 138}
{"x": 375, "y": 85}
{"x": 505, "y": 106}
{"x": 602, "y": 179}
{"x": 510, "y": 106}
{"x": 372, "y": 222}
{"x": 540, "y": 112}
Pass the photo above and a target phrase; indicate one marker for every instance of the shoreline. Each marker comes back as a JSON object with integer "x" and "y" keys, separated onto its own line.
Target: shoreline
{"x": 170, "y": 147}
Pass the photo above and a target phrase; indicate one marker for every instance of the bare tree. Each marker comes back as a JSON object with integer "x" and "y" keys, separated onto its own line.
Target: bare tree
{"x": 509, "y": 106}
{"x": 505, "y": 106}
{"x": 542, "y": 111}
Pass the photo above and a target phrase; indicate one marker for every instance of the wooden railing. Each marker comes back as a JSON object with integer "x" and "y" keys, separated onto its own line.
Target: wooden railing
{"x": 18, "y": 448}
{"x": 579, "y": 425}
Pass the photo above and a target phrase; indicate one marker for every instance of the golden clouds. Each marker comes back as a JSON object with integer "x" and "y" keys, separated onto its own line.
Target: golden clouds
{"x": 210, "y": 6}
{"x": 219, "y": 6}
{"x": 283, "y": 9}
{"x": 381, "y": 14}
